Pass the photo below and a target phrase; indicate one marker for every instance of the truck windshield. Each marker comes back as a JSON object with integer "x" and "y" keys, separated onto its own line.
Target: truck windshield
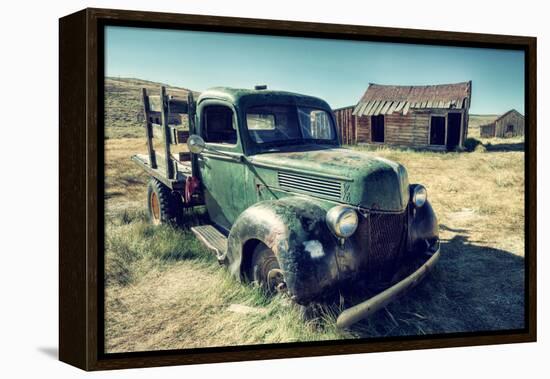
{"x": 286, "y": 123}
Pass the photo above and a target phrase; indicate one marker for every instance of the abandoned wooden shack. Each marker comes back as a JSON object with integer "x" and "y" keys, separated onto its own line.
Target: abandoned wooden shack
{"x": 510, "y": 124}
{"x": 432, "y": 116}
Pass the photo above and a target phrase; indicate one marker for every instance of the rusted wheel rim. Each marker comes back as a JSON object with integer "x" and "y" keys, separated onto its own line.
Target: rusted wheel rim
{"x": 155, "y": 208}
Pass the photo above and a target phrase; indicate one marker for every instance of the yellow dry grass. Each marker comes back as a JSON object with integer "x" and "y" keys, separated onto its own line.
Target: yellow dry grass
{"x": 164, "y": 291}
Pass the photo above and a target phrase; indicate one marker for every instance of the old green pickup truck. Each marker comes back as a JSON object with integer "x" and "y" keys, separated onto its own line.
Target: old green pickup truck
{"x": 290, "y": 209}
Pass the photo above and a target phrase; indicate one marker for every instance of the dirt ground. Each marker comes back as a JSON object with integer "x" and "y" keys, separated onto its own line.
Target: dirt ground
{"x": 164, "y": 291}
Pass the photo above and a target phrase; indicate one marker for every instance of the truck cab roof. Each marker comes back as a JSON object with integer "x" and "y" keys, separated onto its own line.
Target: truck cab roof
{"x": 241, "y": 97}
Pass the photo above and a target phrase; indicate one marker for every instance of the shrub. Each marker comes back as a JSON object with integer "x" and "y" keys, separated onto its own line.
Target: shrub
{"x": 471, "y": 144}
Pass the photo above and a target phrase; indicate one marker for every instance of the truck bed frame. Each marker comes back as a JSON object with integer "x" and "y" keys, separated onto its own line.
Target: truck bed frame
{"x": 169, "y": 168}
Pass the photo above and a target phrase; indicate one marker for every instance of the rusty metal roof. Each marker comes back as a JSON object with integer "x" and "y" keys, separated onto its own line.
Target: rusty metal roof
{"x": 387, "y": 99}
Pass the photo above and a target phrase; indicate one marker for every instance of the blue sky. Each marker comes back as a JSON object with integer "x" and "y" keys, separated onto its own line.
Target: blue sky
{"x": 337, "y": 71}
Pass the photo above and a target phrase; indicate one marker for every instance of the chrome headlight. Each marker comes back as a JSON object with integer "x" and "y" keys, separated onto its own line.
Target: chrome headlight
{"x": 419, "y": 195}
{"x": 342, "y": 221}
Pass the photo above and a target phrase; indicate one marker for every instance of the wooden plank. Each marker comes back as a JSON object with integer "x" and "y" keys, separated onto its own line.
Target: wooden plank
{"x": 360, "y": 108}
{"x": 355, "y": 121}
{"x": 369, "y": 108}
{"x": 386, "y": 107}
{"x": 141, "y": 161}
{"x": 372, "y": 108}
{"x": 191, "y": 115}
{"x": 375, "y": 109}
{"x": 393, "y": 107}
{"x": 179, "y": 135}
{"x": 379, "y": 108}
{"x": 400, "y": 106}
{"x": 176, "y": 105}
{"x": 182, "y": 156}
{"x": 406, "y": 109}
{"x": 346, "y": 119}
{"x": 167, "y": 139}
{"x": 366, "y": 108}
{"x": 148, "y": 129}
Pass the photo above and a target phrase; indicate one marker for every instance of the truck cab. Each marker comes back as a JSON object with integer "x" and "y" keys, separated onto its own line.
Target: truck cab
{"x": 239, "y": 127}
{"x": 290, "y": 208}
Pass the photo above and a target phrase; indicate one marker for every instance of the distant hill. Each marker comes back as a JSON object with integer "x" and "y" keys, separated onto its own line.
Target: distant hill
{"x": 123, "y": 106}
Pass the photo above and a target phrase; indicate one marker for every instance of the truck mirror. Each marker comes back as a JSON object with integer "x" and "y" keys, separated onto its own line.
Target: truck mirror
{"x": 195, "y": 144}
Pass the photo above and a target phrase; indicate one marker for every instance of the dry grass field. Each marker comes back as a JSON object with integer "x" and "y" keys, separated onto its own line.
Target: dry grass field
{"x": 164, "y": 291}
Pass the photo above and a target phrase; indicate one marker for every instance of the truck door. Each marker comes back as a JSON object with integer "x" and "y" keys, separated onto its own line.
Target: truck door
{"x": 221, "y": 168}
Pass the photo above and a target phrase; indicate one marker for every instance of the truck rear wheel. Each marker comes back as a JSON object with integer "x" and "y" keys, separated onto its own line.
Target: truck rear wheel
{"x": 164, "y": 206}
{"x": 265, "y": 270}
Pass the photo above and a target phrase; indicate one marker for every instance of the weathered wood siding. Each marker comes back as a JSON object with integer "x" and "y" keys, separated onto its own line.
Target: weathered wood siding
{"x": 404, "y": 130}
{"x": 347, "y": 125}
{"x": 412, "y": 129}
{"x": 363, "y": 129}
{"x": 513, "y": 118}
{"x": 487, "y": 131}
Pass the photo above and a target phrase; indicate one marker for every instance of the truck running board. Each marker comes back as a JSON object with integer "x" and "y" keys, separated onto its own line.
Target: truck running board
{"x": 212, "y": 238}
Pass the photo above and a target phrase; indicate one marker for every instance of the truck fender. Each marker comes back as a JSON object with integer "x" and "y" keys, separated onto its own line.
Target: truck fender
{"x": 423, "y": 228}
{"x": 294, "y": 228}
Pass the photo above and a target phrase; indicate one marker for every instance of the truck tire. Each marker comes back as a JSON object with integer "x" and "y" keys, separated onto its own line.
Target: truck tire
{"x": 164, "y": 206}
{"x": 265, "y": 270}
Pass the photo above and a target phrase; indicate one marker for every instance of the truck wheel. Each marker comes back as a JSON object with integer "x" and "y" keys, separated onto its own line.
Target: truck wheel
{"x": 265, "y": 270}
{"x": 163, "y": 205}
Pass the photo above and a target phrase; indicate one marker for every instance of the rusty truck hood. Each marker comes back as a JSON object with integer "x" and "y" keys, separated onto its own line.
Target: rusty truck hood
{"x": 366, "y": 180}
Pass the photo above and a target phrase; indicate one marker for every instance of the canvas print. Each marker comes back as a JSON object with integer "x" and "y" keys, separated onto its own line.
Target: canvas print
{"x": 267, "y": 190}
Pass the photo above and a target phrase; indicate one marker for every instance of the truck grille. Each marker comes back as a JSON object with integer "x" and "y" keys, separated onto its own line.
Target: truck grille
{"x": 328, "y": 188}
{"x": 384, "y": 235}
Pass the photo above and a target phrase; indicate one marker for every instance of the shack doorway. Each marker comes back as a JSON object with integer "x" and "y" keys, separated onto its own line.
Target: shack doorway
{"x": 437, "y": 130}
{"x": 453, "y": 130}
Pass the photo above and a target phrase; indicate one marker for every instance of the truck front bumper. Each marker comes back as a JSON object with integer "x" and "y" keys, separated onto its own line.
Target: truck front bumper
{"x": 368, "y": 307}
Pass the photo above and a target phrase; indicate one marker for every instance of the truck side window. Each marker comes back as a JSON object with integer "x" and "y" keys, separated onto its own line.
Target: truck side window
{"x": 218, "y": 125}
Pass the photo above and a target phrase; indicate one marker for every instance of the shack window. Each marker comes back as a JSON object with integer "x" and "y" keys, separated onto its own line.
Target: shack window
{"x": 509, "y": 128}
{"x": 218, "y": 125}
{"x": 437, "y": 130}
{"x": 377, "y": 128}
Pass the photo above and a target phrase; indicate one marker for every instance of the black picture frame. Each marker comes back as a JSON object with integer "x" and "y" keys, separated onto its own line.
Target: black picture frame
{"x": 81, "y": 74}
